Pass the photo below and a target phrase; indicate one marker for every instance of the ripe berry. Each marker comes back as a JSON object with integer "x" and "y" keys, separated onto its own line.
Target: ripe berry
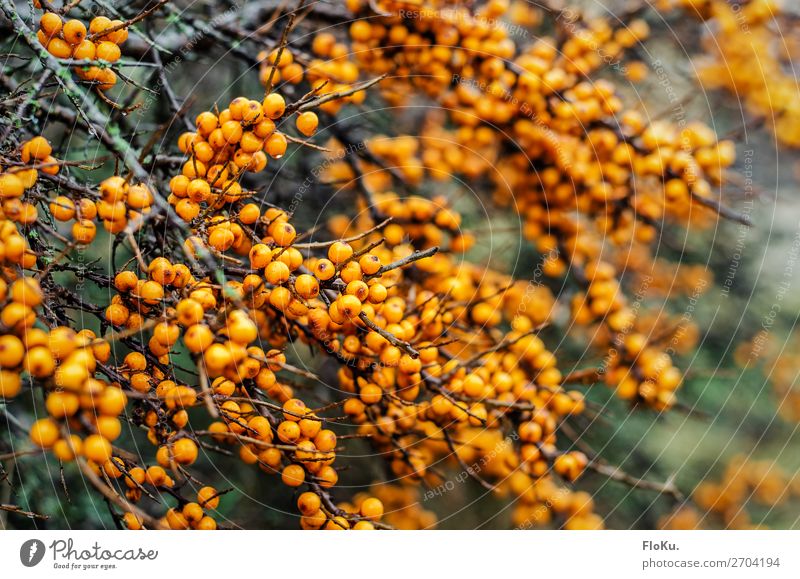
{"x": 274, "y": 105}
{"x": 307, "y": 123}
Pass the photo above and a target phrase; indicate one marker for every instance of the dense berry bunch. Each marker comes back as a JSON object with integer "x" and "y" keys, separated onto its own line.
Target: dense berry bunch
{"x": 438, "y": 361}
{"x": 71, "y": 39}
{"x": 745, "y": 53}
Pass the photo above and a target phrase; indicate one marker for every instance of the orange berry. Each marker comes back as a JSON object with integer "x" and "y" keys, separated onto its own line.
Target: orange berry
{"x": 283, "y": 233}
{"x": 84, "y": 231}
{"x": 50, "y": 23}
{"x": 372, "y": 509}
{"x": 96, "y": 448}
{"x": 232, "y": 132}
{"x": 184, "y": 451}
{"x": 274, "y": 105}
{"x": 44, "y": 433}
{"x": 208, "y": 498}
{"x": 288, "y": 431}
{"x": 86, "y": 50}
{"x": 10, "y": 384}
{"x": 74, "y": 32}
{"x": 11, "y": 186}
{"x": 198, "y": 338}
{"x": 221, "y": 239}
{"x": 293, "y": 475}
{"x": 307, "y": 123}
{"x": 277, "y": 273}
{"x": 39, "y": 148}
{"x": 339, "y": 252}
{"x": 324, "y": 269}
{"x": 276, "y": 145}
{"x": 108, "y": 51}
{"x": 62, "y": 208}
{"x": 59, "y": 48}
{"x": 306, "y": 286}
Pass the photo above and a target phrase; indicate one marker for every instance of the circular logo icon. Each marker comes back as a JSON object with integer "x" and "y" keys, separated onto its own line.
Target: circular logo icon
{"x": 32, "y": 552}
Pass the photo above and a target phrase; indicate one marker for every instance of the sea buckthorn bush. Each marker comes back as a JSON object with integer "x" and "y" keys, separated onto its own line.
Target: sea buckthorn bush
{"x": 276, "y": 286}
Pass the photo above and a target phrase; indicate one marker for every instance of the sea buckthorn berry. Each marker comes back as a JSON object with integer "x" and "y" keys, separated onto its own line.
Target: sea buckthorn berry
{"x": 198, "y": 338}
{"x": 206, "y": 524}
{"x": 39, "y": 148}
{"x": 363, "y": 526}
{"x": 274, "y": 105}
{"x": 62, "y": 208}
{"x": 50, "y": 23}
{"x": 59, "y": 48}
{"x": 324, "y": 269}
{"x": 325, "y": 440}
{"x": 206, "y": 122}
{"x": 108, "y": 51}
{"x": 372, "y": 509}
{"x": 358, "y": 289}
{"x": 277, "y": 273}
{"x": 251, "y": 111}
{"x": 232, "y": 132}
{"x": 85, "y": 50}
{"x": 139, "y": 197}
{"x": 39, "y": 362}
{"x": 276, "y": 145}
{"x": 293, "y": 475}
{"x": 97, "y": 449}
{"x": 307, "y": 123}
{"x": 187, "y": 209}
{"x": 74, "y": 31}
{"x": 308, "y": 503}
{"x": 67, "y": 449}
{"x": 10, "y": 384}
{"x": 44, "y": 433}
{"x": 84, "y": 231}
{"x": 370, "y": 263}
{"x": 10, "y": 186}
{"x": 327, "y": 477}
{"x": 288, "y": 431}
{"x": 176, "y": 520}
{"x": 208, "y": 497}
{"x": 283, "y": 234}
{"x": 306, "y": 286}
{"x": 339, "y": 252}
{"x": 349, "y": 306}
{"x": 294, "y": 409}
{"x": 193, "y": 512}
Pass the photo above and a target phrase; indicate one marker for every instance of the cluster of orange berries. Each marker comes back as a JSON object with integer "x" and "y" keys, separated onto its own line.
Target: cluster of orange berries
{"x": 401, "y": 506}
{"x": 333, "y": 71}
{"x": 119, "y": 205}
{"x": 547, "y": 503}
{"x": 745, "y": 483}
{"x": 330, "y": 72}
{"x": 468, "y": 403}
{"x": 99, "y": 43}
{"x": 734, "y": 34}
{"x": 36, "y": 156}
{"x": 284, "y": 69}
{"x": 66, "y": 362}
{"x": 522, "y": 97}
{"x": 226, "y": 145}
{"x": 538, "y": 101}
{"x": 192, "y": 515}
{"x": 439, "y": 360}
{"x": 643, "y": 372}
